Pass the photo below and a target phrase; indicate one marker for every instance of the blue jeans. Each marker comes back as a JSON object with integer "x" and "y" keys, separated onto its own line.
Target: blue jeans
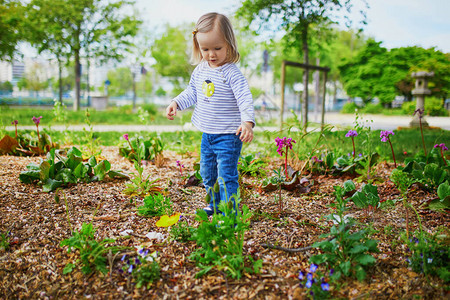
{"x": 218, "y": 159}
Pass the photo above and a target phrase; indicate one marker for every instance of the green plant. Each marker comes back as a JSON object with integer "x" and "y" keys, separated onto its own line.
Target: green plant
{"x": 429, "y": 253}
{"x": 148, "y": 148}
{"x": 4, "y": 240}
{"x": 156, "y": 205}
{"x": 443, "y": 193}
{"x": 430, "y": 176}
{"x": 140, "y": 185}
{"x": 181, "y": 231}
{"x": 251, "y": 165}
{"x": 367, "y": 197}
{"x": 221, "y": 240}
{"x": 92, "y": 252}
{"x": 347, "y": 252}
{"x": 403, "y": 182}
{"x": 144, "y": 268}
{"x": 349, "y": 108}
{"x": 58, "y": 170}
{"x": 91, "y": 143}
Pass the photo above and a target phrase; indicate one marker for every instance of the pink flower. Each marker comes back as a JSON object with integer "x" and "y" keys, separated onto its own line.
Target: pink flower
{"x": 36, "y": 120}
{"x": 351, "y": 133}
{"x": 125, "y": 136}
{"x": 384, "y": 135}
{"x": 284, "y": 142}
{"x": 442, "y": 146}
{"x": 15, "y": 122}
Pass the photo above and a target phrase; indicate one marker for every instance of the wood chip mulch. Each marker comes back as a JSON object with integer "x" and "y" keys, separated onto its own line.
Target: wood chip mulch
{"x": 32, "y": 268}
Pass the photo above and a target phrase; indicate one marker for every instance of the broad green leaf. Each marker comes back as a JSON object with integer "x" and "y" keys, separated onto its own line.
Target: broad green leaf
{"x": 68, "y": 268}
{"x": 365, "y": 259}
{"x": 101, "y": 169}
{"x": 51, "y": 185}
{"x": 358, "y": 249}
{"x": 29, "y": 176}
{"x": 345, "y": 267}
{"x": 360, "y": 273}
{"x": 66, "y": 176}
{"x": 45, "y": 170}
{"x": 438, "y": 204}
{"x": 349, "y": 186}
{"x": 81, "y": 171}
{"x": 92, "y": 161}
{"x": 443, "y": 190}
{"x": 117, "y": 174}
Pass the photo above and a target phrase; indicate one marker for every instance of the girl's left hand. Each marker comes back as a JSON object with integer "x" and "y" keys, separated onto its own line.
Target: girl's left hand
{"x": 246, "y": 130}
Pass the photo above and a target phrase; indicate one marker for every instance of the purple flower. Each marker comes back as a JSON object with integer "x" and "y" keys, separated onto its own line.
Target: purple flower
{"x": 123, "y": 257}
{"x": 137, "y": 261}
{"x": 308, "y": 284}
{"x": 130, "y": 269}
{"x": 125, "y": 136}
{"x": 179, "y": 164}
{"x": 351, "y": 133}
{"x": 284, "y": 142}
{"x": 15, "y": 122}
{"x": 300, "y": 275}
{"x": 313, "y": 268}
{"x": 430, "y": 260}
{"x": 325, "y": 286}
{"x": 309, "y": 277}
{"x": 331, "y": 272}
{"x": 384, "y": 135}
{"x": 36, "y": 120}
{"x": 442, "y": 146}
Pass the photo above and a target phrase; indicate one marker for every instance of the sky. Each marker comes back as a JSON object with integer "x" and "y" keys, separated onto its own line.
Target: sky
{"x": 396, "y": 23}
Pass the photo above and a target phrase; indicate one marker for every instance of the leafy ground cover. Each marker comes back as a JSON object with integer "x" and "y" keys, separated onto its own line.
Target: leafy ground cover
{"x": 34, "y": 264}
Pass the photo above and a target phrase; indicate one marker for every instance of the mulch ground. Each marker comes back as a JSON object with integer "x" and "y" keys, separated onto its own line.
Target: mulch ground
{"x": 33, "y": 265}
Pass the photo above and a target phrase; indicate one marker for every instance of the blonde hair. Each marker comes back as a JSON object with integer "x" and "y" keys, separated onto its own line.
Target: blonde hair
{"x": 206, "y": 23}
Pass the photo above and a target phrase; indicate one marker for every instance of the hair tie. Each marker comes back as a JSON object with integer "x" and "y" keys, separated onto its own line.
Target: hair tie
{"x": 194, "y": 32}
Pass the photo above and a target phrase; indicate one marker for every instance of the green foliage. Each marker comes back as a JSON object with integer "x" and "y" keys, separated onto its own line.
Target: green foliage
{"x": 221, "y": 240}
{"x": 428, "y": 175}
{"x": 346, "y": 251}
{"x": 182, "y": 232}
{"x": 148, "y": 148}
{"x": 377, "y": 72}
{"x": 4, "y": 240}
{"x": 58, "y": 170}
{"x": 92, "y": 252}
{"x": 144, "y": 269}
{"x": 367, "y": 196}
{"x": 443, "y": 193}
{"x": 156, "y": 205}
{"x": 433, "y": 107}
{"x": 121, "y": 81}
{"x": 252, "y": 165}
{"x": 91, "y": 143}
{"x": 171, "y": 55}
{"x": 349, "y": 108}
{"x": 430, "y": 253}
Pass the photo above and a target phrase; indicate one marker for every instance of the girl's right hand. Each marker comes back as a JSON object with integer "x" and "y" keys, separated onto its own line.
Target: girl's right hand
{"x": 171, "y": 110}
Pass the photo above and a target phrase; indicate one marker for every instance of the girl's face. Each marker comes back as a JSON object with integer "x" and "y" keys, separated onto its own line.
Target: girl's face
{"x": 213, "y": 47}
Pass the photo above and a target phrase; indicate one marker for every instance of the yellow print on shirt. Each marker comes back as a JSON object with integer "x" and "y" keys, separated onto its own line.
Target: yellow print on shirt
{"x": 208, "y": 88}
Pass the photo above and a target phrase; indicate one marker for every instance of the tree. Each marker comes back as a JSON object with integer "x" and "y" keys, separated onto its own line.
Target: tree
{"x": 121, "y": 81}
{"x": 35, "y": 79}
{"x": 10, "y": 27}
{"x": 171, "y": 54}
{"x": 377, "y": 72}
{"x": 89, "y": 28}
{"x": 296, "y": 19}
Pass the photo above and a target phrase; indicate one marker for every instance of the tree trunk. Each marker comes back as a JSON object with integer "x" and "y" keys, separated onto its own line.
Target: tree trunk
{"x": 317, "y": 92}
{"x": 76, "y": 101}
{"x": 305, "y": 77}
{"x": 60, "y": 80}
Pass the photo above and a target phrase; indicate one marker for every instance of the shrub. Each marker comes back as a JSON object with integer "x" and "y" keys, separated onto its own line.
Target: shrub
{"x": 349, "y": 108}
{"x": 433, "y": 107}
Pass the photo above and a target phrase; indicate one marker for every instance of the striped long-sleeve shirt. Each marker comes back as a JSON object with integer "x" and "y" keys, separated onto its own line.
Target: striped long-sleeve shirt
{"x": 221, "y": 96}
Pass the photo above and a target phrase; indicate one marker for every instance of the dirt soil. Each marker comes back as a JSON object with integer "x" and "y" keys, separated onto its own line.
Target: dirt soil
{"x": 32, "y": 268}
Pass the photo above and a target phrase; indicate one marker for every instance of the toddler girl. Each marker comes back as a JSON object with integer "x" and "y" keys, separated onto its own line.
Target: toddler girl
{"x": 223, "y": 105}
